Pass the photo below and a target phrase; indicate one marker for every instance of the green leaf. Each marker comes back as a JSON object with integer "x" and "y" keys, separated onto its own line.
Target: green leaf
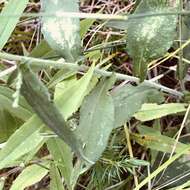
{"x": 69, "y": 95}
{"x": 25, "y": 139}
{"x": 37, "y": 95}
{"x": 29, "y": 176}
{"x": 8, "y": 125}
{"x": 129, "y": 99}
{"x": 6, "y": 100}
{"x": 151, "y": 138}
{"x": 41, "y": 50}
{"x": 9, "y": 23}
{"x": 96, "y": 120}
{"x": 61, "y": 75}
{"x": 69, "y": 98}
{"x": 63, "y": 157}
{"x": 149, "y": 38}
{"x": 85, "y": 25}
{"x": 56, "y": 182}
{"x": 21, "y": 142}
{"x": 62, "y": 33}
{"x": 145, "y": 113}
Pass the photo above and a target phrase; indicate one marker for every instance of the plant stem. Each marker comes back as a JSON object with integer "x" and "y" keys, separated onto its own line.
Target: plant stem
{"x": 71, "y": 15}
{"x": 97, "y": 15}
{"x": 61, "y": 64}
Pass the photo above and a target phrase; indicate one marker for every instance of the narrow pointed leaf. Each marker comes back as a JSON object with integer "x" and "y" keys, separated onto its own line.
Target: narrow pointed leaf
{"x": 9, "y": 23}
{"x": 63, "y": 157}
{"x": 29, "y": 176}
{"x": 69, "y": 97}
{"x": 23, "y": 111}
{"x": 37, "y": 95}
{"x": 21, "y": 142}
{"x": 2, "y": 183}
{"x": 85, "y": 25}
{"x": 8, "y": 125}
{"x": 28, "y": 137}
{"x": 56, "y": 182}
{"x": 147, "y": 110}
{"x": 150, "y": 138}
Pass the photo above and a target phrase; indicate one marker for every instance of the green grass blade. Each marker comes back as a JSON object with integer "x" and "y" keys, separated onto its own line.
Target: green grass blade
{"x": 29, "y": 176}
{"x": 162, "y": 167}
{"x": 56, "y": 181}
{"x": 21, "y": 142}
{"x": 7, "y": 24}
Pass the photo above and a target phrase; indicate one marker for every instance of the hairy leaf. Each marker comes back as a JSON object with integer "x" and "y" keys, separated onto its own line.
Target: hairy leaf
{"x": 38, "y": 97}
{"x": 150, "y": 37}
{"x": 62, "y": 33}
{"x": 129, "y": 99}
{"x": 96, "y": 120}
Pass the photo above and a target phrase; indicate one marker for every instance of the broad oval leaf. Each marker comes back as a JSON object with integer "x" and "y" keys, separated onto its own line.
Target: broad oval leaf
{"x": 129, "y": 99}
{"x": 62, "y": 33}
{"x": 96, "y": 120}
{"x": 150, "y": 37}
